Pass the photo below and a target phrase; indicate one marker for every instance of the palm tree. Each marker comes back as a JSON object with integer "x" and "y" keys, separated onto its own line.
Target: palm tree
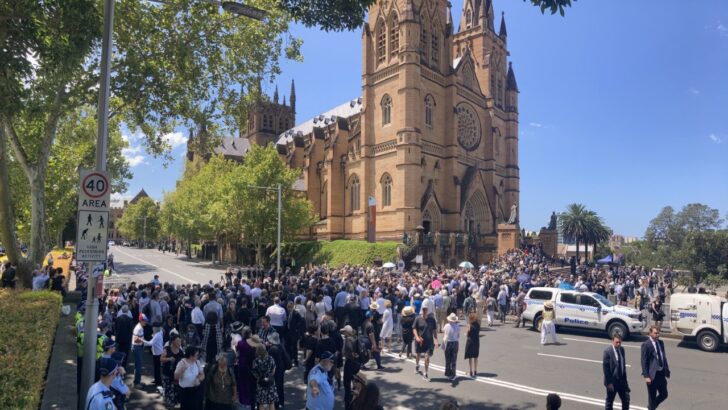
{"x": 574, "y": 225}
{"x": 597, "y": 232}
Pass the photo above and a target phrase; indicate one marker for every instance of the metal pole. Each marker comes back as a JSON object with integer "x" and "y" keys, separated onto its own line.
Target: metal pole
{"x": 92, "y": 302}
{"x": 278, "y": 249}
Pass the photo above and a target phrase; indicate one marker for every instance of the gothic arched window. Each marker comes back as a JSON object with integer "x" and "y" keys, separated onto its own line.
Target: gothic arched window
{"x": 354, "y": 188}
{"x": 381, "y": 42}
{"x": 386, "y": 109}
{"x": 435, "y": 47}
{"x": 429, "y": 105}
{"x": 424, "y": 40}
{"x": 394, "y": 36}
{"x": 386, "y": 190}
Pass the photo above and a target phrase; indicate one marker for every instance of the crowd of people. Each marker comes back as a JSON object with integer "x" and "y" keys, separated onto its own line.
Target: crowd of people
{"x": 230, "y": 344}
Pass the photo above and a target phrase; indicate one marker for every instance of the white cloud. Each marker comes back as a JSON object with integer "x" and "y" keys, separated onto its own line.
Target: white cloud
{"x": 693, "y": 90}
{"x": 175, "y": 139}
{"x": 131, "y": 138}
{"x": 135, "y": 160}
{"x": 536, "y": 125}
{"x": 722, "y": 29}
{"x": 715, "y": 138}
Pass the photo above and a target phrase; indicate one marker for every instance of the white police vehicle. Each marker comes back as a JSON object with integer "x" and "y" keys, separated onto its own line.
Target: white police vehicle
{"x": 583, "y": 310}
{"x": 703, "y": 316}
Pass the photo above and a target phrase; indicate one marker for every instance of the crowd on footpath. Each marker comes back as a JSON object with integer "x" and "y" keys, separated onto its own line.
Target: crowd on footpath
{"x": 228, "y": 345}
{"x": 46, "y": 277}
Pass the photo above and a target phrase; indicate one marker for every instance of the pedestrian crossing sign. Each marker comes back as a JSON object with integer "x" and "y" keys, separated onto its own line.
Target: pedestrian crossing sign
{"x": 91, "y": 236}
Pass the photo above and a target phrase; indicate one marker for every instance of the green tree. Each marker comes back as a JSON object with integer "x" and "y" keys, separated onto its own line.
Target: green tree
{"x": 255, "y": 210}
{"x": 699, "y": 218}
{"x": 173, "y": 63}
{"x": 141, "y": 221}
{"x": 597, "y": 232}
{"x": 574, "y": 225}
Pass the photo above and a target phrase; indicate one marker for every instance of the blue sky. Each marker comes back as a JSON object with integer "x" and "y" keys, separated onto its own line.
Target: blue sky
{"x": 623, "y": 106}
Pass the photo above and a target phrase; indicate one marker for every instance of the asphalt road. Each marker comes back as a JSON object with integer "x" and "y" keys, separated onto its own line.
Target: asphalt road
{"x": 515, "y": 371}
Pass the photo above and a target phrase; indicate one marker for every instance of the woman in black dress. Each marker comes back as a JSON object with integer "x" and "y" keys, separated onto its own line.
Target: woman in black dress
{"x": 472, "y": 343}
{"x": 408, "y": 319}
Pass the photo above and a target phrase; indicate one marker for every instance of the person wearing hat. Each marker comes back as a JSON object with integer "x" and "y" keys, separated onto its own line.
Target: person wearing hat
{"x": 358, "y": 385}
{"x": 118, "y": 387}
{"x": 282, "y": 361}
{"x": 319, "y": 392}
{"x": 352, "y": 360}
{"x": 547, "y": 325}
{"x": 137, "y": 342}
{"x": 100, "y": 396}
{"x": 451, "y": 340}
{"x": 407, "y": 321}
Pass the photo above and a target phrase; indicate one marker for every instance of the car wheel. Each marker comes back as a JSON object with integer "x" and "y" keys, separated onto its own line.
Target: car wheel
{"x": 617, "y": 328}
{"x": 708, "y": 341}
{"x": 537, "y": 323}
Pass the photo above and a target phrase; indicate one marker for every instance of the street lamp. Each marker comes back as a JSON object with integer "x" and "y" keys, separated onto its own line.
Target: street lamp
{"x": 92, "y": 302}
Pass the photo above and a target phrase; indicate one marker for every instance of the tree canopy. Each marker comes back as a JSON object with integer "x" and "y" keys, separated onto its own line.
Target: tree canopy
{"x": 140, "y": 221}
{"x": 224, "y": 198}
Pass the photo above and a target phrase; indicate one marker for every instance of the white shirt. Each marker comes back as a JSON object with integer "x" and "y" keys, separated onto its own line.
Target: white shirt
{"x": 429, "y": 303}
{"x": 328, "y": 303}
{"x": 138, "y": 331}
{"x": 189, "y": 376}
{"x": 452, "y": 332}
{"x": 157, "y": 344}
{"x": 277, "y": 315}
{"x": 198, "y": 318}
{"x": 255, "y": 293}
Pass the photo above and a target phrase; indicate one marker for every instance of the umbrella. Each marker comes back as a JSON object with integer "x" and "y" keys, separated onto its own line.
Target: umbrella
{"x": 466, "y": 265}
{"x": 389, "y": 265}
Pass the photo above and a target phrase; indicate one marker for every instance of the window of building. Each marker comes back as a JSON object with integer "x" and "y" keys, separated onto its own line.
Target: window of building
{"x": 423, "y": 41}
{"x": 381, "y": 42}
{"x": 386, "y": 190}
{"x": 429, "y": 104}
{"x": 468, "y": 19}
{"x": 435, "y": 48}
{"x": 394, "y": 36}
{"x": 386, "y": 109}
{"x": 354, "y": 193}
{"x": 324, "y": 200}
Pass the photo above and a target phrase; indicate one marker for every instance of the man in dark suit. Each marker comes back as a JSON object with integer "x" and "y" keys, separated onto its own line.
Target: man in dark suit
{"x": 615, "y": 374}
{"x": 655, "y": 369}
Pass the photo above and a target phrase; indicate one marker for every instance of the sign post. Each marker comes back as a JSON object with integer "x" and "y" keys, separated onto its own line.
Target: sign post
{"x": 92, "y": 232}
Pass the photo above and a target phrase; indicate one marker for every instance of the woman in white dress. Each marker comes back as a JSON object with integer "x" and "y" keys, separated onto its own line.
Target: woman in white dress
{"x": 387, "y": 326}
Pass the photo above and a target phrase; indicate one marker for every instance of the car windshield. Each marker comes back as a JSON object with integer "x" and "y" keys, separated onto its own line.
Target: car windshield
{"x": 602, "y": 299}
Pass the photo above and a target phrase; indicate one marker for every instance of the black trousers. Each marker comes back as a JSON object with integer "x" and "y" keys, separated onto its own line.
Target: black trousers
{"x": 657, "y": 390}
{"x": 621, "y": 389}
{"x": 190, "y": 398}
{"x": 157, "y": 370}
{"x": 350, "y": 369}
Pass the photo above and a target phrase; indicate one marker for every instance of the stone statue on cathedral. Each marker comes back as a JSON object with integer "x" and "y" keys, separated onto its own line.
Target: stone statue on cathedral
{"x": 514, "y": 214}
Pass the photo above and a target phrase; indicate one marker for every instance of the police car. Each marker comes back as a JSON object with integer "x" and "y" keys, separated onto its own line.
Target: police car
{"x": 703, "y": 316}
{"x": 583, "y": 310}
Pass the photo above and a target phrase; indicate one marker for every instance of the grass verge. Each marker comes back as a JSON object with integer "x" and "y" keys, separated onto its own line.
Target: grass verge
{"x": 27, "y": 327}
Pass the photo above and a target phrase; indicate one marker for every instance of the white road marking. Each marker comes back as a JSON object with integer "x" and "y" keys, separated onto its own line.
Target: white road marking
{"x": 600, "y": 343}
{"x": 525, "y": 389}
{"x": 572, "y": 358}
{"x": 160, "y": 268}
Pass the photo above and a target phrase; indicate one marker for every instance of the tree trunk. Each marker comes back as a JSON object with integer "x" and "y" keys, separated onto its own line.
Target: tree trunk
{"x": 7, "y": 218}
{"x": 37, "y": 213}
{"x": 577, "y": 252}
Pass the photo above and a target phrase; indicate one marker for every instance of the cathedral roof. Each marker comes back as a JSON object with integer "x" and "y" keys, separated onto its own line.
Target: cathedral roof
{"x": 345, "y": 110}
{"x": 511, "y": 79}
{"x": 233, "y": 147}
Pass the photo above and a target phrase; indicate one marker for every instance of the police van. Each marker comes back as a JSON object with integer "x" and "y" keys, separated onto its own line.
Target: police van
{"x": 582, "y": 310}
{"x": 702, "y": 316}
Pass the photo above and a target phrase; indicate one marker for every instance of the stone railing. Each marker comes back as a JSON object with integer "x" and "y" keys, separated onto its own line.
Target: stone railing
{"x": 384, "y": 73}
{"x": 383, "y": 147}
{"x": 432, "y": 148}
{"x": 433, "y": 76}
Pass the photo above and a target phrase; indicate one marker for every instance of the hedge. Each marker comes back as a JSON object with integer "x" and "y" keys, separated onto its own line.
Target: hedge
{"x": 347, "y": 252}
{"x": 27, "y": 327}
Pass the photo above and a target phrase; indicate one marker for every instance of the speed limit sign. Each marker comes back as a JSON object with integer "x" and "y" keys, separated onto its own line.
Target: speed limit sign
{"x": 94, "y": 193}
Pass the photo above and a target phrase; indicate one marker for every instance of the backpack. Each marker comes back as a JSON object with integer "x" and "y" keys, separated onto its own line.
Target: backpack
{"x": 362, "y": 346}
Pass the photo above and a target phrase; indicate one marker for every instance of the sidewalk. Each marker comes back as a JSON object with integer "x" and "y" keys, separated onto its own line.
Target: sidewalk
{"x": 60, "y": 391}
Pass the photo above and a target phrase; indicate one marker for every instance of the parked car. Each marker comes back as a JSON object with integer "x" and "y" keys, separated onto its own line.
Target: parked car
{"x": 703, "y": 316}
{"x": 583, "y": 310}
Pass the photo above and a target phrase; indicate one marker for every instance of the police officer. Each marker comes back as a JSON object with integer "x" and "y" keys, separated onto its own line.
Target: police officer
{"x": 99, "y": 396}
{"x": 120, "y": 390}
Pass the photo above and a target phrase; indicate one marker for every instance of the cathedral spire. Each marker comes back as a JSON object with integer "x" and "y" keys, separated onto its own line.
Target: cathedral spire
{"x": 448, "y": 21}
{"x": 502, "y": 32}
{"x": 284, "y": 100}
{"x": 511, "y": 79}
{"x": 293, "y": 95}
{"x": 275, "y": 95}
